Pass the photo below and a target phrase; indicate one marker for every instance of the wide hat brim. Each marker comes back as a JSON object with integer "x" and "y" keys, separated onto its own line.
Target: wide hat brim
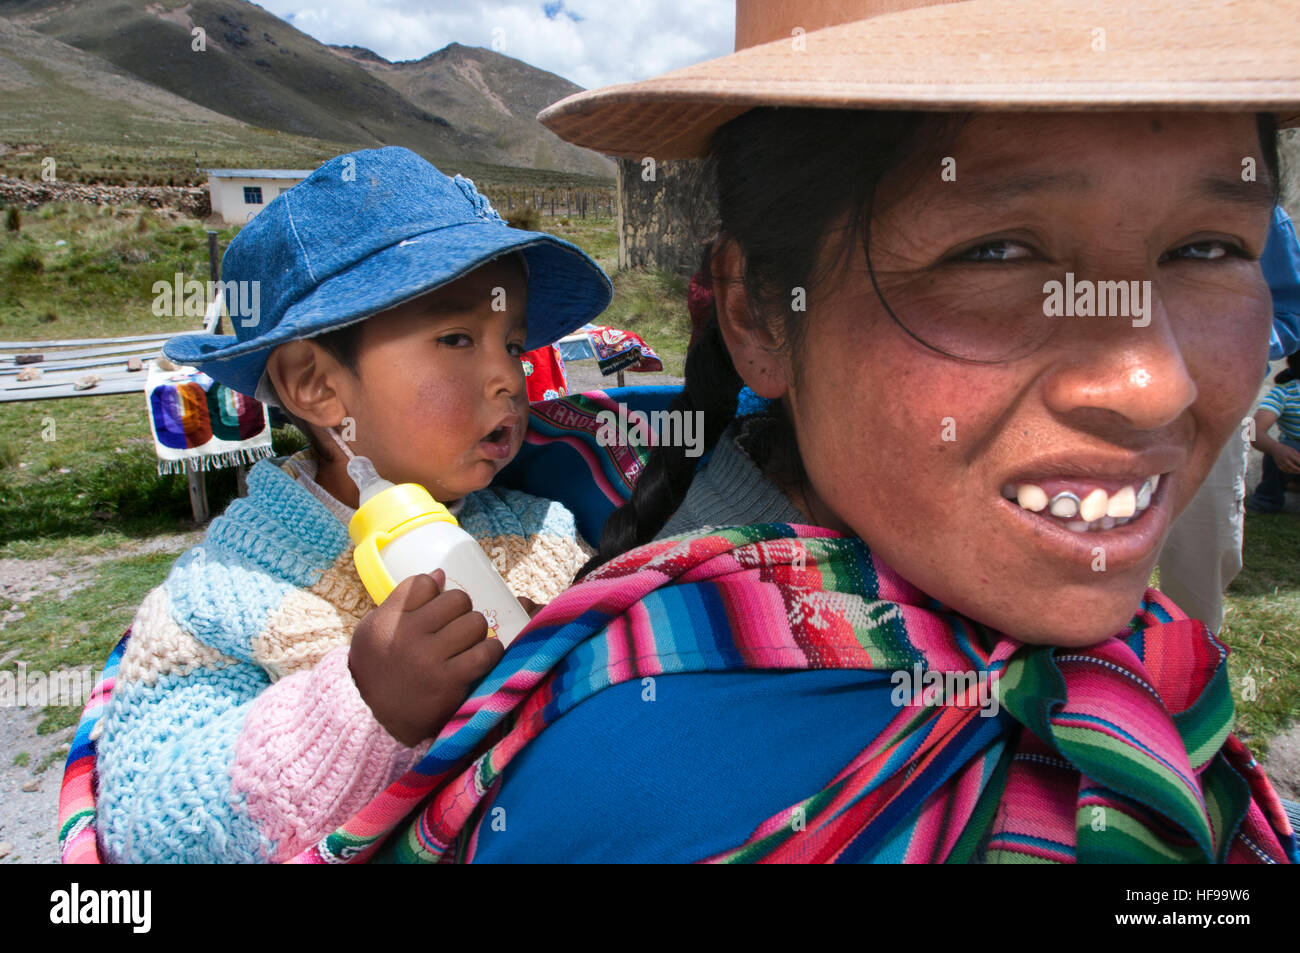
{"x": 566, "y": 289}
{"x": 977, "y": 55}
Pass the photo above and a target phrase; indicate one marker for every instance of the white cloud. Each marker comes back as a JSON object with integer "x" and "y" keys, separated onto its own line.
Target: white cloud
{"x": 590, "y": 42}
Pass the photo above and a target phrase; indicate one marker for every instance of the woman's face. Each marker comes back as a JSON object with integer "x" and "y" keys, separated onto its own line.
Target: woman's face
{"x": 951, "y": 470}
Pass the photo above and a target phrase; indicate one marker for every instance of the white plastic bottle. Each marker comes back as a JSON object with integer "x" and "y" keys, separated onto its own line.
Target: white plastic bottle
{"x": 400, "y": 531}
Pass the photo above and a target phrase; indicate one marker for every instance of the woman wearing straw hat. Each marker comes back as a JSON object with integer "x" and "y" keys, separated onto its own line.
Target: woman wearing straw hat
{"x": 988, "y": 271}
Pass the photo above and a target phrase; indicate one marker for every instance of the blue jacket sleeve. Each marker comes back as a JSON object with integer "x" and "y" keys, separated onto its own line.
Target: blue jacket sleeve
{"x": 680, "y": 769}
{"x": 1281, "y": 265}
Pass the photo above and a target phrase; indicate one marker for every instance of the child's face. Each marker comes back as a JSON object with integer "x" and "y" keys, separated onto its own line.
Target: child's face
{"x": 439, "y": 394}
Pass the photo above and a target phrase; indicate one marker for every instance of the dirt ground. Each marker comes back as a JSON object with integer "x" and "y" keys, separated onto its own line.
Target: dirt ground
{"x": 29, "y": 802}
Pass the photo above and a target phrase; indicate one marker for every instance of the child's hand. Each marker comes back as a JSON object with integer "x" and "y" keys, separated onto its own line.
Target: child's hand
{"x": 415, "y": 657}
{"x": 1287, "y": 458}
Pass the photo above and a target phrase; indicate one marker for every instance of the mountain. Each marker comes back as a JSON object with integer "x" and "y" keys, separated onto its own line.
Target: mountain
{"x": 491, "y": 96}
{"x": 262, "y": 71}
{"x": 48, "y": 85}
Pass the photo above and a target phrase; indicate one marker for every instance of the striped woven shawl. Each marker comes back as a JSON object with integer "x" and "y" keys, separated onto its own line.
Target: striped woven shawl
{"x": 1119, "y": 752}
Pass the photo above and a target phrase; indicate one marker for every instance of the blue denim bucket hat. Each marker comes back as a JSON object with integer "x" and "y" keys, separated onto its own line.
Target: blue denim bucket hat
{"x": 365, "y": 232}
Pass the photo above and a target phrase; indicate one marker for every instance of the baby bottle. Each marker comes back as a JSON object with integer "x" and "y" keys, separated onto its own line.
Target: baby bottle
{"x": 401, "y": 530}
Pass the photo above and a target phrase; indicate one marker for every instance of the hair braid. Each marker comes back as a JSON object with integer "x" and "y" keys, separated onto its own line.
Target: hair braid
{"x": 712, "y": 386}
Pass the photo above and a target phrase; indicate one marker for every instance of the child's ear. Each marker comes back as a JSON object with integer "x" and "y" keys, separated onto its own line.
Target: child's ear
{"x": 307, "y": 380}
{"x": 755, "y": 350}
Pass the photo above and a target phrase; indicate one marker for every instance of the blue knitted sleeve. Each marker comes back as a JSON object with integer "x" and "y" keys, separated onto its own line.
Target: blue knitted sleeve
{"x": 192, "y": 672}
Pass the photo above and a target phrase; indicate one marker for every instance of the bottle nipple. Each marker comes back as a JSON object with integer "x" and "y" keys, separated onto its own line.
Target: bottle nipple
{"x": 369, "y": 483}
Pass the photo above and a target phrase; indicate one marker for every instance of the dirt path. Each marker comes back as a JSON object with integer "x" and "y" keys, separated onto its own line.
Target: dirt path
{"x": 29, "y": 801}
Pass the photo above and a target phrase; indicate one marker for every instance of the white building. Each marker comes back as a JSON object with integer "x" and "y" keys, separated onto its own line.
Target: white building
{"x": 239, "y": 194}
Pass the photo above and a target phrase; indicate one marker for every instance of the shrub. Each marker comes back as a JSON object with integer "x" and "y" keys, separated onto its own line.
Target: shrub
{"x": 525, "y": 217}
{"x": 13, "y": 219}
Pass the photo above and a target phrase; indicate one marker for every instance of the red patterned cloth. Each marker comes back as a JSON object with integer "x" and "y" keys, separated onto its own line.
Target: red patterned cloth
{"x": 618, "y": 350}
{"x": 544, "y": 374}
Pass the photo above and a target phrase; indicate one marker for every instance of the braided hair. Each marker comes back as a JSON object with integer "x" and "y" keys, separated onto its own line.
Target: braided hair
{"x": 782, "y": 177}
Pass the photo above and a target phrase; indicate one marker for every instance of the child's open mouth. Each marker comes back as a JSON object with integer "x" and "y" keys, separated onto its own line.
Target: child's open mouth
{"x": 499, "y": 442}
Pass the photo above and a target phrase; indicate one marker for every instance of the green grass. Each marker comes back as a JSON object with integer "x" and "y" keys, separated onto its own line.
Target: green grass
{"x": 80, "y": 629}
{"x": 99, "y": 282}
{"x": 651, "y": 303}
{"x": 1262, "y": 627}
{"x": 21, "y": 759}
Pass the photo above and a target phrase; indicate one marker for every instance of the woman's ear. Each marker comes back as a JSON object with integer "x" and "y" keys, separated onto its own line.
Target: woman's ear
{"x": 755, "y": 351}
{"x": 308, "y": 382}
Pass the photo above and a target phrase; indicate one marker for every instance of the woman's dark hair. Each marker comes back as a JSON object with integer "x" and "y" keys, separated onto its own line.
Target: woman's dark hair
{"x": 1292, "y": 370}
{"x": 343, "y": 345}
{"x": 783, "y": 178}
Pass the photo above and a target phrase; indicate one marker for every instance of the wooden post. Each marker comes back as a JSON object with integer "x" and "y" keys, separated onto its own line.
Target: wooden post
{"x": 198, "y": 494}
{"x": 241, "y": 480}
{"x": 214, "y": 272}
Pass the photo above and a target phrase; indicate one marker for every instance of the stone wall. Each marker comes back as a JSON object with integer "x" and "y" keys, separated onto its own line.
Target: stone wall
{"x": 666, "y": 212}
{"x": 30, "y": 195}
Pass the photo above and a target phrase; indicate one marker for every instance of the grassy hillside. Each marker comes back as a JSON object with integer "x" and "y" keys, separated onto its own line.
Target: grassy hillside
{"x": 255, "y": 68}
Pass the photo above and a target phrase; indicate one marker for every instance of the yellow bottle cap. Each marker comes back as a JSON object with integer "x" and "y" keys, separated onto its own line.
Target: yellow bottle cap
{"x": 381, "y": 519}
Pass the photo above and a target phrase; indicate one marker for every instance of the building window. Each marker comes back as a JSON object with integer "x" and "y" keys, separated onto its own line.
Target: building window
{"x": 252, "y": 195}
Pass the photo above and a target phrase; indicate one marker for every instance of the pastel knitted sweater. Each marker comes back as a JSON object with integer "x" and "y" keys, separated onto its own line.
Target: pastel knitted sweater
{"x": 235, "y": 731}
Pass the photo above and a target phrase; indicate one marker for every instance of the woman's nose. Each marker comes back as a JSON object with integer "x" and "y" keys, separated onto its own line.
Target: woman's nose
{"x": 1127, "y": 368}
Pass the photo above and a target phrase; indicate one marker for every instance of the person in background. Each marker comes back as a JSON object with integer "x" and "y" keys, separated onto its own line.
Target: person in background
{"x": 1281, "y": 456}
{"x": 1202, "y": 554}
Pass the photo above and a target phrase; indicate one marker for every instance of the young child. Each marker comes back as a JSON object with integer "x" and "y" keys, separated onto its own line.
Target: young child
{"x": 1281, "y": 456}
{"x": 263, "y": 698}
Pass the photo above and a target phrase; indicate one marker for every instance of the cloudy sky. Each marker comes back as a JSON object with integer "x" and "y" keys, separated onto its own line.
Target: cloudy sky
{"x": 590, "y": 42}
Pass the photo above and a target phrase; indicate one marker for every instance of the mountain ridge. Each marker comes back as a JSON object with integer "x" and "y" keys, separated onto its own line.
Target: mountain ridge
{"x": 456, "y": 104}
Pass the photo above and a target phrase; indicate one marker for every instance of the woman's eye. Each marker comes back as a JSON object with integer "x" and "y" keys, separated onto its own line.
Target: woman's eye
{"x": 456, "y": 340}
{"x": 1001, "y": 250}
{"x": 516, "y": 349}
{"x": 1204, "y": 251}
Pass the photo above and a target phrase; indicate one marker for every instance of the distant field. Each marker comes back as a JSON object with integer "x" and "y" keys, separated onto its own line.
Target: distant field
{"x": 167, "y": 160}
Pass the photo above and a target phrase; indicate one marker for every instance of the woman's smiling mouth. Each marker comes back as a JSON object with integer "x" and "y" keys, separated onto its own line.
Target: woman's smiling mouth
{"x": 1074, "y": 506}
{"x": 1082, "y": 508}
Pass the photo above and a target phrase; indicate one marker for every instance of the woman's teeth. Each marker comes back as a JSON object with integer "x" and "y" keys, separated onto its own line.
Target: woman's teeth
{"x": 1098, "y": 510}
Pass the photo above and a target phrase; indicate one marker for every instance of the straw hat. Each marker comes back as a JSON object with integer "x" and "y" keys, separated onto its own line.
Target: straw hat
{"x": 1236, "y": 55}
